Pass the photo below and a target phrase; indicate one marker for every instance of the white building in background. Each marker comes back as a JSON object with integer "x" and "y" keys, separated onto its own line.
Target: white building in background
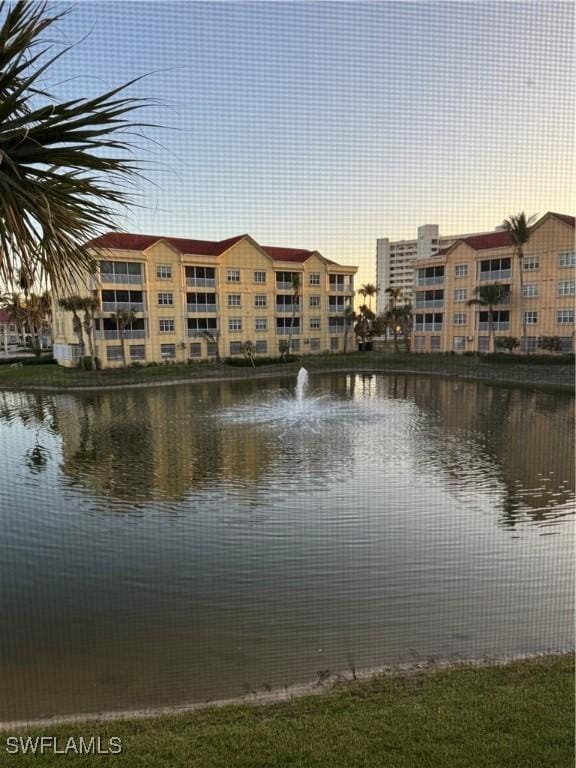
{"x": 394, "y": 260}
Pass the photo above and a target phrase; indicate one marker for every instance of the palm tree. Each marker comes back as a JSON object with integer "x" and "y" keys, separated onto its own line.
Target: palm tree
{"x": 65, "y": 163}
{"x": 394, "y": 314}
{"x": 395, "y": 295}
{"x": 489, "y": 296}
{"x": 368, "y": 291}
{"x": 124, "y": 318}
{"x": 90, "y": 305}
{"x": 519, "y": 227}
{"x": 295, "y": 302}
{"x": 349, "y": 319}
{"x": 249, "y": 350}
{"x": 74, "y": 304}
{"x": 12, "y": 303}
{"x": 212, "y": 338}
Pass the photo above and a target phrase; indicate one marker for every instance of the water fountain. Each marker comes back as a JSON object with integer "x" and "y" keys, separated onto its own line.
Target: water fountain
{"x": 301, "y": 385}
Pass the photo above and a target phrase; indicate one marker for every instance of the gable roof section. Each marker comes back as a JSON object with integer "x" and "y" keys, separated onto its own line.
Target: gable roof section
{"x": 133, "y": 242}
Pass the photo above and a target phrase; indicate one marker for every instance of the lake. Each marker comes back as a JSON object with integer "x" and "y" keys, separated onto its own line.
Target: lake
{"x": 190, "y": 543}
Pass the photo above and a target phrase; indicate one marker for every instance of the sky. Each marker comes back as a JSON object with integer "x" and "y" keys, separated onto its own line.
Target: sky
{"x": 325, "y": 125}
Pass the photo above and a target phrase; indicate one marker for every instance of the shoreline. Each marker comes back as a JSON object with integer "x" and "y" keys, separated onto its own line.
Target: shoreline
{"x": 334, "y": 683}
{"x": 550, "y": 386}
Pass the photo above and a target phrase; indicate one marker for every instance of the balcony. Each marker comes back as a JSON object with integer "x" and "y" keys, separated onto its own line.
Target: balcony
{"x": 115, "y": 306}
{"x": 286, "y": 331}
{"x": 110, "y": 277}
{"x": 428, "y": 327}
{"x": 497, "y": 325}
{"x": 287, "y": 309}
{"x": 201, "y": 282}
{"x": 336, "y": 328}
{"x": 339, "y": 288}
{"x": 337, "y": 309}
{"x": 283, "y": 285}
{"x": 200, "y": 308}
{"x": 127, "y": 334}
{"x": 497, "y": 274}
{"x": 199, "y": 332}
{"x": 434, "y": 280}
{"x": 430, "y": 304}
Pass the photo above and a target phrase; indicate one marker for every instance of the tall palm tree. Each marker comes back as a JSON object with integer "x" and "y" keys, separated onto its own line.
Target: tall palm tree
{"x": 212, "y": 338}
{"x": 90, "y": 305}
{"x": 349, "y": 319}
{"x": 489, "y": 296}
{"x": 368, "y": 291}
{"x": 66, "y": 164}
{"x": 13, "y": 304}
{"x": 295, "y": 301}
{"x": 74, "y": 304}
{"x": 124, "y": 319}
{"x": 393, "y": 314}
{"x": 395, "y": 295}
{"x": 520, "y": 230}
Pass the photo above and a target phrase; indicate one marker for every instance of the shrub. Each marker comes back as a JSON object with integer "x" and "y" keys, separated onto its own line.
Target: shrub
{"x": 503, "y": 357}
{"x": 243, "y": 362}
{"x": 506, "y": 342}
{"x": 550, "y": 343}
{"x": 48, "y": 360}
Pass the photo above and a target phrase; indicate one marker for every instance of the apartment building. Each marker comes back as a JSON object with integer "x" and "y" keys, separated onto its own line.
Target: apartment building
{"x": 194, "y": 299}
{"x": 445, "y": 283}
{"x": 395, "y": 260}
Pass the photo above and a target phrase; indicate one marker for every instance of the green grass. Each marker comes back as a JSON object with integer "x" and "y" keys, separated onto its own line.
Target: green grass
{"x": 559, "y": 376}
{"x": 515, "y": 716}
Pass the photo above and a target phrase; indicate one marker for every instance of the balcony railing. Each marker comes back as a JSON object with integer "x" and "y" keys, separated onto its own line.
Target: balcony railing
{"x": 434, "y": 280}
{"x": 339, "y": 288}
{"x": 430, "y": 304}
{"x": 428, "y": 327}
{"x": 201, "y": 282}
{"x": 287, "y": 309}
{"x": 196, "y": 332}
{"x": 337, "y": 309}
{"x": 196, "y": 308}
{"x": 503, "y": 325}
{"x": 127, "y": 334}
{"x": 114, "y": 306}
{"x": 336, "y": 328}
{"x": 110, "y": 277}
{"x": 496, "y": 274}
{"x": 283, "y": 285}
{"x": 286, "y": 331}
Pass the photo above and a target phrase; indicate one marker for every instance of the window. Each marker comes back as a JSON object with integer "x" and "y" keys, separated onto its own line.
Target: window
{"x": 567, "y": 288}
{"x": 568, "y": 259}
{"x": 261, "y": 346}
{"x": 531, "y": 318}
{"x": 314, "y": 278}
{"x": 233, "y": 299}
{"x": 315, "y": 344}
{"x": 164, "y": 272}
{"x": 260, "y": 300}
{"x": 460, "y": 294}
{"x": 530, "y": 290}
{"x": 483, "y": 343}
{"x": 167, "y": 351}
{"x": 295, "y": 345}
{"x": 531, "y": 344}
{"x": 235, "y": 347}
{"x": 212, "y": 349}
{"x": 165, "y": 298}
{"x": 564, "y": 316}
{"x": 435, "y": 342}
{"x": 137, "y": 352}
{"x": 460, "y": 318}
{"x": 235, "y": 324}
{"x": 461, "y": 270}
{"x": 114, "y": 353}
{"x": 566, "y": 343}
{"x": 199, "y": 324}
{"x": 261, "y": 324}
{"x": 530, "y": 263}
{"x": 334, "y": 342}
{"x": 458, "y": 343}
{"x": 259, "y": 277}
{"x": 419, "y": 343}
{"x": 314, "y": 301}
{"x": 314, "y": 323}
{"x": 166, "y": 326}
{"x": 233, "y": 276}
{"x": 196, "y": 350}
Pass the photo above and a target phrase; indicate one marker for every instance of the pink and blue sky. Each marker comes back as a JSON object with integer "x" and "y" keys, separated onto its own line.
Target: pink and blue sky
{"x": 327, "y": 125}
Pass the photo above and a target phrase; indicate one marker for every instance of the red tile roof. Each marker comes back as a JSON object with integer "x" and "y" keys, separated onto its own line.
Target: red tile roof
{"x": 564, "y": 217}
{"x": 132, "y": 242}
{"x": 489, "y": 240}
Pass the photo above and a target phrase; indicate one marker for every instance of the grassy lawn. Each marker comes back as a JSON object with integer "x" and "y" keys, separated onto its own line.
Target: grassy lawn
{"x": 561, "y": 376}
{"x": 515, "y": 716}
